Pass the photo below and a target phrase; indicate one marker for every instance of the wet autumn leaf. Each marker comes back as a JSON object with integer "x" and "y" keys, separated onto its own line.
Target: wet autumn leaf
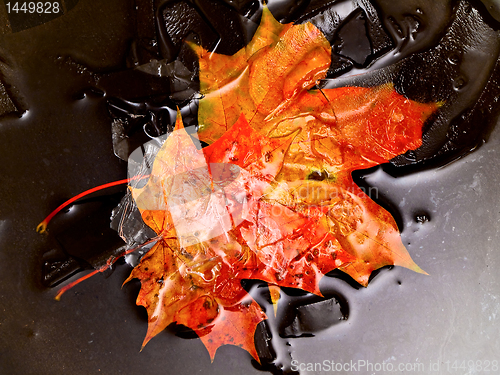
{"x": 279, "y": 63}
{"x": 196, "y": 201}
{"x": 272, "y": 197}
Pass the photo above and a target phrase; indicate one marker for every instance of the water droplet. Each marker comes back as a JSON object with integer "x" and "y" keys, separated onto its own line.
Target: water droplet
{"x": 397, "y": 116}
{"x": 316, "y": 175}
{"x": 411, "y": 155}
{"x": 454, "y": 58}
{"x": 422, "y": 217}
{"x": 459, "y": 83}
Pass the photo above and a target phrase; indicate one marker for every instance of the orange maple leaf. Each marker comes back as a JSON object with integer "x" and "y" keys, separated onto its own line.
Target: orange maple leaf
{"x": 266, "y": 76}
{"x": 195, "y": 200}
{"x": 270, "y": 199}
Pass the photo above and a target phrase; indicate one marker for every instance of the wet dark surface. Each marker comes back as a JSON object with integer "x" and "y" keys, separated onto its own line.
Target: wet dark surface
{"x": 81, "y": 88}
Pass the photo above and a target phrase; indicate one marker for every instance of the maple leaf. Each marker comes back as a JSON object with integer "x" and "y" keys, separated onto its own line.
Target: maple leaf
{"x": 195, "y": 199}
{"x": 270, "y": 199}
{"x": 341, "y": 130}
{"x": 371, "y": 126}
{"x": 279, "y": 63}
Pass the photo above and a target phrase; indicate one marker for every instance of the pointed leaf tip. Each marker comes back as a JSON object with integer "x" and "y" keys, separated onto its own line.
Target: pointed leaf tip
{"x": 274, "y": 291}
{"x": 178, "y": 121}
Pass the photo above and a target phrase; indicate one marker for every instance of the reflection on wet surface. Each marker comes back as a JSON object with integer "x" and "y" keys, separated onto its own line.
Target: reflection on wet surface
{"x": 430, "y": 52}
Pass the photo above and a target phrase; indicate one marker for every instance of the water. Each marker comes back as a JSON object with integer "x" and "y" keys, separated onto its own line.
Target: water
{"x": 67, "y": 85}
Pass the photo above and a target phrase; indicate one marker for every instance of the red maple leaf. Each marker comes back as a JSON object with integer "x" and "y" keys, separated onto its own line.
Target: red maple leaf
{"x": 270, "y": 199}
{"x": 224, "y": 215}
